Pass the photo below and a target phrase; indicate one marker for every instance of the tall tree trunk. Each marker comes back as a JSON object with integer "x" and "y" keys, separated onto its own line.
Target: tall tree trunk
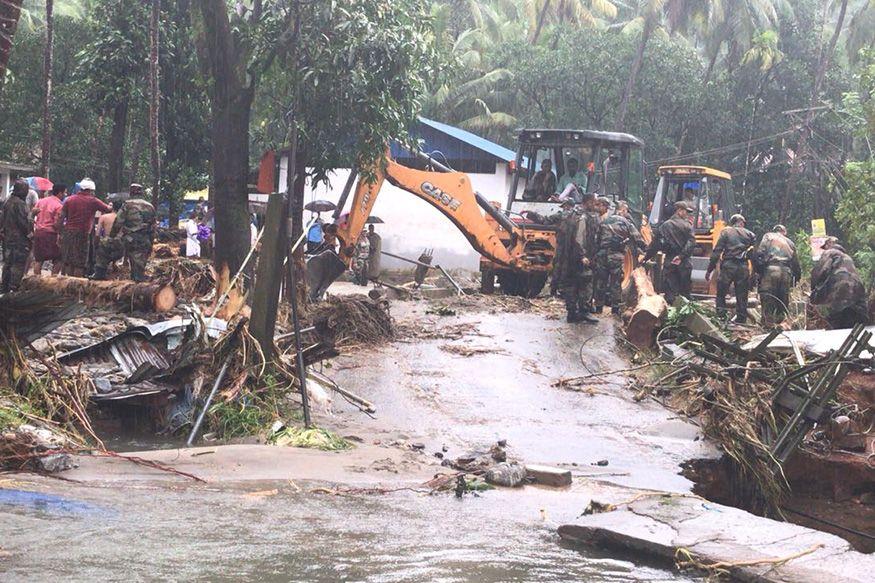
{"x": 231, "y": 103}
{"x": 154, "y": 94}
{"x": 46, "y": 157}
{"x": 10, "y": 11}
{"x": 649, "y": 25}
{"x": 540, "y": 25}
{"x": 117, "y": 146}
{"x": 136, "y": 145}
{"x": 798, "y": 163}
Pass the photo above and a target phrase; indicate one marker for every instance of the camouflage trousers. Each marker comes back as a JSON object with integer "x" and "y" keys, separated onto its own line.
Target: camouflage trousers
{"x": 109, "y": 250}
{"x": 608, "y": 278}
{"x": 137, "y": 249}
{"x": 774, "y": 291}
{"x": 677, "y": 280}
{"x": 14, "y": 263}
{"x": 577, "y": 291}
{"x": 733, "y": 272}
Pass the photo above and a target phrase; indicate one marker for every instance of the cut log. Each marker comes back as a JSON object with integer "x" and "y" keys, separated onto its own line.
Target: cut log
{"x": 646, "y": 309}
{"x": 147, "y": 296}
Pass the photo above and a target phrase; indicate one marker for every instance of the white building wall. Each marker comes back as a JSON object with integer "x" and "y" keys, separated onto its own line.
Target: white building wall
{"x": 411, "y": 224}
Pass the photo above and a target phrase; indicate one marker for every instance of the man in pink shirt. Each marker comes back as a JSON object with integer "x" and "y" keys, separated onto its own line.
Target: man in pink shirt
{"x": 75, "y": 223}
{"x": 45, "y": 230}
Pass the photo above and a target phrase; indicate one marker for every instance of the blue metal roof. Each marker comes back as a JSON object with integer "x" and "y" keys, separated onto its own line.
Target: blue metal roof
{"x": 492, "y": 148}
{"x": 483, "y": 146}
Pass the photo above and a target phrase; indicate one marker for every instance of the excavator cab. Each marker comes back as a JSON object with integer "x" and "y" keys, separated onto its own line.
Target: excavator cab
{"x": 605, "y": 164}
{"x": 710, "y": 192}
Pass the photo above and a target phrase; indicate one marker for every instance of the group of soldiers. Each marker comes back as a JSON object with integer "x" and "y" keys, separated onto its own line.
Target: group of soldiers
{"x": 129, "y": 232}
{"x": 588, "y": 266}
{"x": 592, "y": 243}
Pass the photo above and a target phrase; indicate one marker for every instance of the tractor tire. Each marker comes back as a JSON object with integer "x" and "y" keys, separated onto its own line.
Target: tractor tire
{"x": 487, "y": 281}
{"x": 534, "y": 283}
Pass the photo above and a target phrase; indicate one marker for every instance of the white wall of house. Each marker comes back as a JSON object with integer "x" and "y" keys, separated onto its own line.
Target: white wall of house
{"x": 411, "y": 224}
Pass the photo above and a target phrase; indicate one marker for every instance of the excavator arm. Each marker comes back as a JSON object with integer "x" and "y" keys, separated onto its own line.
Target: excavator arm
{"x": 450, "y": 193}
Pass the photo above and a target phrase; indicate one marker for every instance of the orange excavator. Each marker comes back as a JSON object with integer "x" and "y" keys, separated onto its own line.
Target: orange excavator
{"x": 516, "y": 246}
{"x": 525, "y": 250}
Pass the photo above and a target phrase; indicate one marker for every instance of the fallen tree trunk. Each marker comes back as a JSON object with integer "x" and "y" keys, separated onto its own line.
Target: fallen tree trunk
{"x": 148, "y": 296}
{"x": 646, "y": 309}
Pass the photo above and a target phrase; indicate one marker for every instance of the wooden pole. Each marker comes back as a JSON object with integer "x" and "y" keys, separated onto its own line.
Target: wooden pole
{"x": 46, "y": 157}
{"x": 154, "y": 103}
{"x": 265, "y": 296}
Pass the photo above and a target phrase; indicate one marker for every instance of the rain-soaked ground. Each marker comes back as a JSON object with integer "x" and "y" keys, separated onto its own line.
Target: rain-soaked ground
{"x": 146, "y": 530}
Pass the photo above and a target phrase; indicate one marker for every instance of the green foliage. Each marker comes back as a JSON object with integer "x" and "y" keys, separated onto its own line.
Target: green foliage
{"x": 315, "y": 437}
{"x": 803, "y": 251}
{"x": 359, "y": 86}
{"x": 856, "y": 214}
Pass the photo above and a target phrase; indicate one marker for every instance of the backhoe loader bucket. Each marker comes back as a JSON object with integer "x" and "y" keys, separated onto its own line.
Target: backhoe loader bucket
{"x": 323, "y": 269}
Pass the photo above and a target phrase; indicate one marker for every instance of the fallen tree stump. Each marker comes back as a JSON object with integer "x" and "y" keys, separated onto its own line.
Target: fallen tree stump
{"x": 647, "y": 309}
{"x": 147, "y": 296}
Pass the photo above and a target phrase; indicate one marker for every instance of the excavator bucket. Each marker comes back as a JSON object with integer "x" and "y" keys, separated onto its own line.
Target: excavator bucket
{"x": 323, "y": 269}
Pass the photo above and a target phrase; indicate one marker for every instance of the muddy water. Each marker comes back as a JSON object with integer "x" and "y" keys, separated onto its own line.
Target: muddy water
{"x": 200, "y": 534}
{"x": 141, "y": 531}
{"x": 423, "y": 393}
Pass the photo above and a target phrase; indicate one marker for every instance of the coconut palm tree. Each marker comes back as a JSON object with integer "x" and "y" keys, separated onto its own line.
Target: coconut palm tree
{"x": 540, "y": 13}
{"x": 46, "y": 155}
{"x": 716, "y": 23}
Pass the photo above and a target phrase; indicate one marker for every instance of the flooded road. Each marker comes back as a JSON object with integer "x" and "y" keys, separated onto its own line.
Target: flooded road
{"x": 116, "y": 528}
{"x": 140, "y": 534}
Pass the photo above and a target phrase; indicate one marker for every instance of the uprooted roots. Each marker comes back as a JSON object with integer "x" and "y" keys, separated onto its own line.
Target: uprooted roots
{"x": 350, "y": 320}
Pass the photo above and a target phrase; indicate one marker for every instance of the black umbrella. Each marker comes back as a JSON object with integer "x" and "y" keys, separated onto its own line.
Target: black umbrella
{"x": 372, "y": 220}
{"x": 320, "y": 206}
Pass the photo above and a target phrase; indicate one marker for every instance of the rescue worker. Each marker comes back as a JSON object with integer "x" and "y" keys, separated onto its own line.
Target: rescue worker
{"x": 577, "y": 243}
{"x": 134, "y": 226}
{"x": 16, "y": 230}
{"x": 837, "y": 288}
{"x": 732, "y": 250}
{"x": 543, "y": 184}
{"x": 376, "y": 248}
{"x": 566, "y": 210}
{"x": 360, "y": 265}
{"x": 108, "y": 249}
{"x": 677, "y": 240}
{"x": 778, "y": 266}
{"x": 616, "y": 234}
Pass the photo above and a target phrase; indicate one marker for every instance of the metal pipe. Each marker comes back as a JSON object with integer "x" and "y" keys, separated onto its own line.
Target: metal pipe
{"x": 429, "y": 266}
{"x": 200, "y": 419}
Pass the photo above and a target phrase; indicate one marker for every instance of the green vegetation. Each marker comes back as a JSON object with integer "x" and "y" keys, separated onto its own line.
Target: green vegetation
{"x": 315, "y": 437}
{"x": 777, "y": 92}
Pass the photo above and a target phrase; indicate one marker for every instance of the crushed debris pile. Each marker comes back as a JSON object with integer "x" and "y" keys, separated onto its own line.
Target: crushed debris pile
{"x": 757, "y": 404}
{"x": 352, "y": 320}
{"x": 192, "y": 279}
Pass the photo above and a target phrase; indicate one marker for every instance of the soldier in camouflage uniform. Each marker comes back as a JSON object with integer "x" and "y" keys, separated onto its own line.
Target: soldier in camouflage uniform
{"x": 15, "y": 231}
{"x": 731, "y": 251}
{"x": 134, "y": 226}
{"x": 837, "y": 288}
{"x": 577, "y": 241}
{"x": 677, "y": 240}
{"x": 556, "y": 220}
{"x": 616, "y": 233}
{"x": 778, "y": 266}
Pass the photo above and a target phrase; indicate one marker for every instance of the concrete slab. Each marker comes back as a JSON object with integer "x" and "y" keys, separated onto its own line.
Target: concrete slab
{"x": 751, "y": 547}
{"x": 549, "y": 476}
